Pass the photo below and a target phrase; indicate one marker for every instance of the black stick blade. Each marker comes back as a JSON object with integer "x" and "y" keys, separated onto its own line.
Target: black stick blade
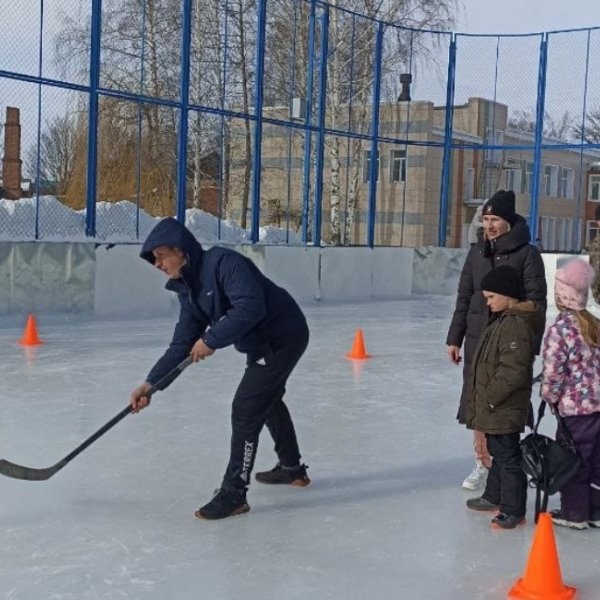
{"x": 19, "y": 472}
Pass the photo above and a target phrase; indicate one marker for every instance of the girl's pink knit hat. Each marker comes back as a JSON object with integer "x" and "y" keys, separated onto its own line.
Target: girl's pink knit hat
{"x": 572, "y": 284}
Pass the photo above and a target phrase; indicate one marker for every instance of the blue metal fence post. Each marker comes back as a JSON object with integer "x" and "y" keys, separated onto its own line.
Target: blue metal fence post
{"x": 92, "y": 165}
{"x": 308, "y": 123}
{"x": 350, "y": 123}
{"x": 374, "y": 166}
{"x": 182, "y": 135}
{"x": 322, "y": 112}
{"x": 577, "y": 222}
{"x": 138, "y": 150}
{"x": 224, "y": 133}
{"x": 39, "y": 125}
{"x": 291, "y": 131}
{"x": 447, "y": 159}
{"x": 258, "y": 114}
{"x": 539, "y": 132}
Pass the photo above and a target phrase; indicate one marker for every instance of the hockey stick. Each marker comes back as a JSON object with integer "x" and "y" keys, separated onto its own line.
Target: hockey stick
{"x": 19, "y": 472}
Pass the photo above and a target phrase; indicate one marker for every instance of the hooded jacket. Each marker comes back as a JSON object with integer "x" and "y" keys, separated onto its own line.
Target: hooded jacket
{"x": 512, "y": 249}
{"x": 224, "y": 299}
{"x": 502, "y": 371}
{"x": 571, "y": 378}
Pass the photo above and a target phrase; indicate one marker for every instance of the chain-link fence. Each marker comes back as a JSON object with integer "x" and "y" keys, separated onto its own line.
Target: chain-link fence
{"x": 289, "y": 122}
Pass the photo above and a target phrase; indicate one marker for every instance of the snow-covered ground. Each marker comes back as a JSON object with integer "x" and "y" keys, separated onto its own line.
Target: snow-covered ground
{"x": 383, "y": 519}
{"x": 116, "y": 223}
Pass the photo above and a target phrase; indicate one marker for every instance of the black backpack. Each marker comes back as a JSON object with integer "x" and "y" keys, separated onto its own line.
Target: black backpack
{"x": 549, "y": 464}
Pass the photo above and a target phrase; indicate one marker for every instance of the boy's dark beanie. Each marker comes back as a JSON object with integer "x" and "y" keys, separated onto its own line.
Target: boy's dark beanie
{"x": 504, "y": 280}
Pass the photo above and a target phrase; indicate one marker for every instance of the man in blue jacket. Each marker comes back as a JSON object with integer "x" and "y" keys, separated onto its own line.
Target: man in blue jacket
{"x": 224, "y": 299}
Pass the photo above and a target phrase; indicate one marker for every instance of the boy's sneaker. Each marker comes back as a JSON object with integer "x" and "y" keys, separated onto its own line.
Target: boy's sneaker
{"x": 282, "y": 475}
{"x": 482, "y": 504}
{"x": 477, "y": 478}
{"x": 559, "y": 519}
{"x": 504, "y": 521}
{"x": 224, "y": 504}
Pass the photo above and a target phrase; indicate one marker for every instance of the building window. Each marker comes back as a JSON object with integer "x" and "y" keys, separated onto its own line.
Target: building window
{"x": 529, "y": 176}
{"x": 565, "y": 184}
{"x": 551, "y": 181}
{"x": 526, "y": 176}
{"x": 397, "y": 165}
{"x": 591, "y": 231}
{"x": 594, "y": 188}
{"x": 367, "y": 166}
{"x": 548, "y": 228}
{"x": 493, "y": 137}
{"x": 469, "y": 191}
{"x": 565, "y": 227}
{"x": 512, "y": 175}
{"x": 512, "y": 180}
{"x": 569, "y": 247}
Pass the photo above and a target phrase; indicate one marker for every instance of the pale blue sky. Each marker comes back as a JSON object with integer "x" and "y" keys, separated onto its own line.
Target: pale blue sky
{"x": 523, "y": 16}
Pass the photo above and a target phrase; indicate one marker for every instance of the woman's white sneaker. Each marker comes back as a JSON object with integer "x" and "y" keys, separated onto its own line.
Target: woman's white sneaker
{"x": 477, "y": 478}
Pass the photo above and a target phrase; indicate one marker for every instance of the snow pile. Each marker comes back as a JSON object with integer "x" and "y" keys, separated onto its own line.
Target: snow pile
{"x": 205, "y": 228}
{"x": 276, "y": 235}
{"x": 55, "y": 221}
{"x": 116, "y": 223}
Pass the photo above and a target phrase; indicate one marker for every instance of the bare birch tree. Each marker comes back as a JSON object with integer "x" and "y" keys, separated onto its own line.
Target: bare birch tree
{"x": 350, "y": 77}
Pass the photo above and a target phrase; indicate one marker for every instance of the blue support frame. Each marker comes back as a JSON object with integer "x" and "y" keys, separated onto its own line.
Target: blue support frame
{"x": 539, "y": 131}
{"x": 39, "y": 126}
{"x": 447, "y": 159}
{"x": 578, "y": 220}
{"x": 92, "y": 165}
{"x": 320, "y": 158}
{"x": 138, "y": 164}
{"x": 374, "y": 166}
{"x": 350, "y": 106}
{"x": 313, "y": 126}
{"x": 406, "y": 133}
{"x": 307, "y": 123}
{"x": 223, "y": 167}
{"x": 291, "y": 131}
{"x": 186, "y": 43}
{"x": 258, "y": 123}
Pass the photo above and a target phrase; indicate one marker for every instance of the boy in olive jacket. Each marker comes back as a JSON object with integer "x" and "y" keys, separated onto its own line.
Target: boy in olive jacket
{"x": 500, "y": 392}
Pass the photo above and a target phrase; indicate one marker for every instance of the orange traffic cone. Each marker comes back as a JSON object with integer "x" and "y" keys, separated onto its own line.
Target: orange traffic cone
{"x": 358, "y": 348}
{"x": 542, "y": 579}
{"x": 30, "y": 334}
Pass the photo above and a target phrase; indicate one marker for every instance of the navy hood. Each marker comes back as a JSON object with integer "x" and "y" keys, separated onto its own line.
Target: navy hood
{"x": 170, "y": 232}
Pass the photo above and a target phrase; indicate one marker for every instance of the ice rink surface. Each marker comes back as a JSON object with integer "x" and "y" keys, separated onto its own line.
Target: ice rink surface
{"x": 384, "y": 518}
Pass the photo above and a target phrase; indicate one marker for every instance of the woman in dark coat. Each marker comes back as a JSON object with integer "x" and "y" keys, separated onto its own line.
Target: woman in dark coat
{"x": 506, "y": 241}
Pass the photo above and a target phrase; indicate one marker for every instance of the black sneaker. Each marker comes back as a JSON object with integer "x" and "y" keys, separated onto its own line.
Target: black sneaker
{"x": 595, "y": 519}
{"x": 224, "y": 504}
{"x": 278, "y": 474}
{"x": 482, "y": 504}
{"x": 504, "y": 521}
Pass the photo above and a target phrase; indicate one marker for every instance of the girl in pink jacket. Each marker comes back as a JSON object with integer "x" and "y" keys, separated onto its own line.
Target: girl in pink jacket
{"x": 571, "y": 386}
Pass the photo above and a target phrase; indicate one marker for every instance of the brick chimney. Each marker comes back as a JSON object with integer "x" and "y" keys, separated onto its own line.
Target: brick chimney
{"x": 11, "y": 162}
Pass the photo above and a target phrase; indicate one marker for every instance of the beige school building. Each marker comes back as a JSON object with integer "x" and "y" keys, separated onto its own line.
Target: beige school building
{"x": 410, "y": 175}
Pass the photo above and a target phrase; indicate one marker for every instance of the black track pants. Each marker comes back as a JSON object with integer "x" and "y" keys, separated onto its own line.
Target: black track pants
{"x": 258, "y": 401}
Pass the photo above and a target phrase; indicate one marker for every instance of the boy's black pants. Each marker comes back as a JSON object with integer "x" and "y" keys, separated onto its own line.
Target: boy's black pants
{"x": 258, "y": 401}
{"x": 507, "y": 483}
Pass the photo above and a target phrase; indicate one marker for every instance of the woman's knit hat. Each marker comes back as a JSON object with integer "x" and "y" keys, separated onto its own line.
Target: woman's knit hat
{"x": 572, "y": 284}
{"x": 502, "y": 204}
